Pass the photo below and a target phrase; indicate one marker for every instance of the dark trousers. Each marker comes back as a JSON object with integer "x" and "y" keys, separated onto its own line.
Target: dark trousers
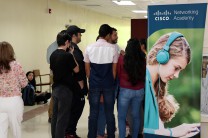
{"x": 94, "y": 101}
{"x": 62, "y": 98}
{"x": 78, "y": 103}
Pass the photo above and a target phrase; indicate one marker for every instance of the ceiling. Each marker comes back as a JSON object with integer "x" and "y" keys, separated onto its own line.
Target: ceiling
{"x": 124, "y": 12}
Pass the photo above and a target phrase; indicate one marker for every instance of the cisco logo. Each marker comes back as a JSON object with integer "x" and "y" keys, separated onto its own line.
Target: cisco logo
{"x": 162, "y": 16}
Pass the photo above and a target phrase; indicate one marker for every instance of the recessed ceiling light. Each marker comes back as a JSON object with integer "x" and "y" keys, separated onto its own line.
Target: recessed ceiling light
{"x": 92, "y": 5}
{"x": 139, "y": 11}
{"x": 119, "y": 2}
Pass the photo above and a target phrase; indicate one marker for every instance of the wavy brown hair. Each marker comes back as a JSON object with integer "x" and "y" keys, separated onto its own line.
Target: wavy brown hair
{"x": 178, "y": 48}
{"x": 168, "y": 106}
{"x": 6, "y": 56}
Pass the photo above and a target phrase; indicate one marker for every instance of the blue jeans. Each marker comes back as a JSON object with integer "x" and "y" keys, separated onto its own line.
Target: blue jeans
{"x": 129, "y": 119}
{"x": 101, "y": 117}
{"x": 101, "y": 121}
{"x": 133, "y": 98}
{"x": 94, "y": 101}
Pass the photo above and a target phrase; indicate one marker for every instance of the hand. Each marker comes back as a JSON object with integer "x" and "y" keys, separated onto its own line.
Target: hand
{"x": 81, "y": 84}
{"x": 101, "y": 99}
{"x": 191, "y": 134}
{"x": 122, "y": 52}
{"x": 185, "y": 130}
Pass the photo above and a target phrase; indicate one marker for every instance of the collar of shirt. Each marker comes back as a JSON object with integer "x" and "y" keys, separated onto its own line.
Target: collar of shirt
{"x": 101, "y": 40}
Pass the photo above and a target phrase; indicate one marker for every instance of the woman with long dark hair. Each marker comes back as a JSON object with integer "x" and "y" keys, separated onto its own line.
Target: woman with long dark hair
{"x": 131, "y": 74}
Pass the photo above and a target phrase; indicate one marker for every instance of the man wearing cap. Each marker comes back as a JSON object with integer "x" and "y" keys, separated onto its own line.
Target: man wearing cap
{"x": 80, "y": 88}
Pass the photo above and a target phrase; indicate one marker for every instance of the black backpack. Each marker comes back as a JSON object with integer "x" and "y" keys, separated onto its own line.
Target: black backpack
{"x": 28, "y": 95}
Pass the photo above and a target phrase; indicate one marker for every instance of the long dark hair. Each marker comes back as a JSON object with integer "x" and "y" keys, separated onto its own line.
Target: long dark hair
{"x": 134, "y": 61}
{"x": 6, "y": 56}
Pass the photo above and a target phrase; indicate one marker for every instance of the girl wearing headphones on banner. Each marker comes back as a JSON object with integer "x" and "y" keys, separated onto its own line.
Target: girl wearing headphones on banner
{"x": 169, "y": 55}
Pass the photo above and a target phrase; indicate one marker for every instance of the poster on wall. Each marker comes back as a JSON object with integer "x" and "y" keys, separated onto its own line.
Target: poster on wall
{"x": 173, "y": 76}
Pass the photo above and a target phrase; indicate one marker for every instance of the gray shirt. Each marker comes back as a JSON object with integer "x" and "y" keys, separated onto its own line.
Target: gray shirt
{"x": 50, "y": 50}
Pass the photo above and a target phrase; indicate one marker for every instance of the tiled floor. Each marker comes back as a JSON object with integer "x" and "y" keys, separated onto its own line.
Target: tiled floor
{"x": 35, "y": 123}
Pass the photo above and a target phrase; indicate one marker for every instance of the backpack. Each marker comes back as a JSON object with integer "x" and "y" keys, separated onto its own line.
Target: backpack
{"x": 28, "y": 95}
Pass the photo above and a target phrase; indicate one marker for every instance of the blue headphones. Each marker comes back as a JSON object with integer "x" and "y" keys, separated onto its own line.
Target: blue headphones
{"x": 163, "y": 55}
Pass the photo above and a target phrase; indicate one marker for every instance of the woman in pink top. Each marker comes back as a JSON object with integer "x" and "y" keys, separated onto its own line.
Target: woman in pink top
{"x": 12, "y": 79}
{"x": 131, "y": 74}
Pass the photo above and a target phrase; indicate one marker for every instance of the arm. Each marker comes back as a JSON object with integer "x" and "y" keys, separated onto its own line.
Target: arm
{"x": 79, "y": 76}
{"x": 76, "y": 69}
{"x": 115, "y": 61}
{"x": 87, "y": 63}
{"x": 21, "y": 76}
{"x": 87, "y": 69}
{"x": 118, "y": 68}
{"x": 114, "y": 70}
{"x": 179, "y": 131}
{"x": 164, "y": 132}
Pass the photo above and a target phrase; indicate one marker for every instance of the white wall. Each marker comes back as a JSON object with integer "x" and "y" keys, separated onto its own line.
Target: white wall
{"x": 28, "y": 26}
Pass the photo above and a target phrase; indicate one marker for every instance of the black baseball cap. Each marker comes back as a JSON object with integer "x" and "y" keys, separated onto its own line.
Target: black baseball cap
{"x": 73, "y": 29}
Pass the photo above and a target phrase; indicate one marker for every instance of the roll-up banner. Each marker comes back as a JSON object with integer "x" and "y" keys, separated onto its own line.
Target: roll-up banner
{"x": 174, "y": 70}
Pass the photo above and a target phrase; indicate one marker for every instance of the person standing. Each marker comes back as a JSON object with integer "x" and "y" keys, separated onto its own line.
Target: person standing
{"x": 63, "y": 84}
{"x": 129, "y": 119}
{"x": 101, "y": 117}
{"x": 131, "y": 74}
{"x": 80, "y": 89}
{"x": 52, "y": 47}
{"x": 101, "y": 60}
{"x": 12, "y": 79}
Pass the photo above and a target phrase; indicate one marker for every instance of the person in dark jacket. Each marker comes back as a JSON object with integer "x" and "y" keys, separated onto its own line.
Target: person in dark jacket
{"x": 39, "y": 96}
{"x": 80, "y": 87}
{"x": 63, "y": 83}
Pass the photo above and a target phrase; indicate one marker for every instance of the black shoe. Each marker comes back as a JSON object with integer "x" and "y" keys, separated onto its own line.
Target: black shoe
{"x": 140, "y": 135}
{"x": 76, "y": 136}
{"x": 45, "y": 101}
{"x": 72, "y": 136}
{"x": 49, "y": 120}
{"x": 129, "y": 136}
